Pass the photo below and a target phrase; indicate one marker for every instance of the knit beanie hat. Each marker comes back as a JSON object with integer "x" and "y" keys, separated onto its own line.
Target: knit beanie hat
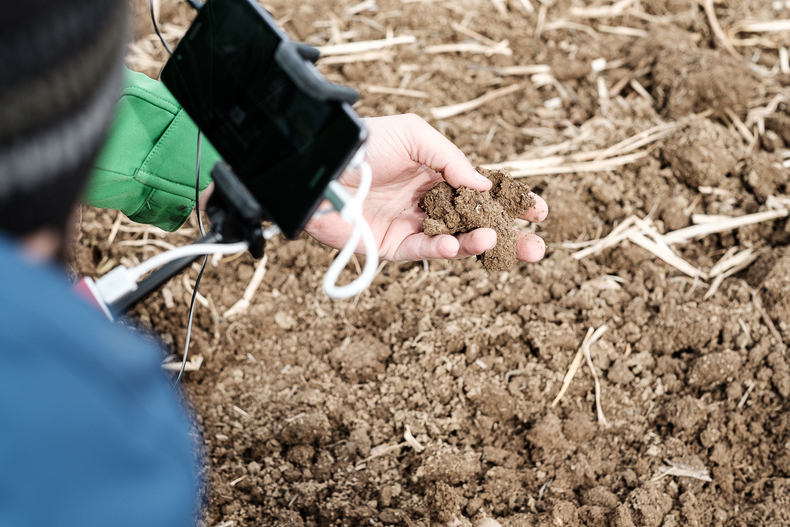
{"x": 60, "y": 72}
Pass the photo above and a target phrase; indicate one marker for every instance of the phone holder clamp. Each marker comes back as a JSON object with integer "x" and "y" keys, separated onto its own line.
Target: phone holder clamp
{"x": 234, "y": 213}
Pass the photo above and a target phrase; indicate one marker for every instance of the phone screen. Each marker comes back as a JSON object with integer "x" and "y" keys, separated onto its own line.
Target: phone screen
{"x": 285, "y": 144}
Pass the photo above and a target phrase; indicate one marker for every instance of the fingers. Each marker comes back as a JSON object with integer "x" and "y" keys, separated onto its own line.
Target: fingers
{"x": 530, "y": 247}
{"x": 422, "y": 247}
{"x": 537, "y": 213}
{"x": 429, "y": 147}
{"x": 205, "y": 195}
{"x": 476, "y": 242}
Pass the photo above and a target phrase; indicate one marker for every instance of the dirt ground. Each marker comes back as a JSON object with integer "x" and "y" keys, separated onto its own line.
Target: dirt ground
{"x": 429, "y": 398}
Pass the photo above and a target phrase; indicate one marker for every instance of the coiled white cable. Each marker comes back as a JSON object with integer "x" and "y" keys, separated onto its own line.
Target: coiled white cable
{"x": 350, "y": 209}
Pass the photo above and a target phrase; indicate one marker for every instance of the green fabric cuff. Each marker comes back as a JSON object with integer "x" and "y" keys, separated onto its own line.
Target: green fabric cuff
{"x": 147, "y": 167}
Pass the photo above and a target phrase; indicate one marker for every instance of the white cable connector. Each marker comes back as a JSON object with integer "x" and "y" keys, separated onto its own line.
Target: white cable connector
{"x": 122, "y": 281}
{"x": 350, "y": 209}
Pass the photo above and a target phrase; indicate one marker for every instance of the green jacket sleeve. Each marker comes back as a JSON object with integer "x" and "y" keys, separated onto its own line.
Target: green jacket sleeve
{"x": 147, "y": 167}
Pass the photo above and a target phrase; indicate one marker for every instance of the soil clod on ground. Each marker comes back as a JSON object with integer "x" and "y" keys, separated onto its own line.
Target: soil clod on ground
{"x": 453, "y": 211}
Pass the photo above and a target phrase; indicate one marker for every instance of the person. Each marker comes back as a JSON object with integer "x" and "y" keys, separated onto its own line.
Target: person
{"x": 147, "y": 171}
{"x": 91, "y": 433}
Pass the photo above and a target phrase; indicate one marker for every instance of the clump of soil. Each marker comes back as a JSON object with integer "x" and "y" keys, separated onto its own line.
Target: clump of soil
{"x": 570, "y": 215}
{"x": 779, "y": 124}
{"x": 777, "y": 290}
{"x": 688, "y": 79}
{"x": 444, "y": 506}
{"x": 764, "y": 175}
{"x": 453, "y": 211}
{"x": 701, "y": 153}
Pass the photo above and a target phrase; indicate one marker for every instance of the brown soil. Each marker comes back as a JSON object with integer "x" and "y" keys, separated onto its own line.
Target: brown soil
{"x": 303, "y": 403}
{"x": 688, "y": 78}
{"x": 453, "y": 211}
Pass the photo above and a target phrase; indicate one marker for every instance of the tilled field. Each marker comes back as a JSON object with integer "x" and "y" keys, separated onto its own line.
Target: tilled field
{"x": 433, "y": 397}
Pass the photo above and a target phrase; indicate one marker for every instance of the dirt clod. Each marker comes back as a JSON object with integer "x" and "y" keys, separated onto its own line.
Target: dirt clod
{"x": 361, "y": 359}
{"x": 453, "y": 211}
{"x": 700, "y": 153}
{"x": 562, "y": 514}
{"x": 764, "y": 175}
{"x": 714, "y": 368}
{"x": 444, "y": 505}
{"x": 648, "y": 505}
{"x": 690, "y": 79}
{"x": 448, "y": 464}
{"x": 305, "y": 429}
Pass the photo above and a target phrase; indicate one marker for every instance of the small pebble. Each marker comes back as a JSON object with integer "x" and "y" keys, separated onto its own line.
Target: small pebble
{"x": 487, "y": 522}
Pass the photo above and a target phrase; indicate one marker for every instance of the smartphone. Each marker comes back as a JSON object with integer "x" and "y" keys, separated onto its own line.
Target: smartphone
{"x": 284, "y": 130}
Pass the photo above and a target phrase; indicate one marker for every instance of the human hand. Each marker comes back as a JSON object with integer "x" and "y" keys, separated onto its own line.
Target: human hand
{"x": 408, "y": 157}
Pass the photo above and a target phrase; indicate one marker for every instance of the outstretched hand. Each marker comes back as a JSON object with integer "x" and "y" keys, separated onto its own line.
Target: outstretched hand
{"x": 408, "y": 157}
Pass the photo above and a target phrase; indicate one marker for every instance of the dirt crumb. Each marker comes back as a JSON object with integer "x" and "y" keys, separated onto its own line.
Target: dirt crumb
{"x": 562, "y": 514}
{"x": 684, "y": 414}
{"x": 777, "y": 290}
{"x": 764, "y": 175}
{"x": 547, "y": 434}
{"x": 648, "y": 505}
{"x": 601, "y": 497}
{"x": 361, "y": 359}
{"x": 700, "y": 153}
{"x": 682, "y": 326}
{"x": 305, "y": 429}
{"x": 453, "y": 211}
{"x": 713, "y": 369}
{"x": 448, "y": 464}
{"x": 444, "y": 505}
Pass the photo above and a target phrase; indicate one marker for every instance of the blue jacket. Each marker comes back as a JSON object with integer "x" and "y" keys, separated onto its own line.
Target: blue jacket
{"x": 90, "y": 433}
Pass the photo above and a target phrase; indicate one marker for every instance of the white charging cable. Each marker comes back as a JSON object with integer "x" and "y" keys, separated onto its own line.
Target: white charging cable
{"x": 122, "y": 281}
{"x": 198, "y": 249}
{"x": 350, "y": 209}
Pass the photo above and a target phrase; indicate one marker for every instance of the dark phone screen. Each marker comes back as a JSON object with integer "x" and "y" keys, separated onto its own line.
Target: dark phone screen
{"x": 284, "y": 144}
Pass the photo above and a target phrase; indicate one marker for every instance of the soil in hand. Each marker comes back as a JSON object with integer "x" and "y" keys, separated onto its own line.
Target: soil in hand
{"x": 453, "y": 211}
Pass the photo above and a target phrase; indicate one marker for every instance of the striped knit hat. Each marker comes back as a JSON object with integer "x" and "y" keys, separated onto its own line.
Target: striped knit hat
{"x": 60, "y": 72}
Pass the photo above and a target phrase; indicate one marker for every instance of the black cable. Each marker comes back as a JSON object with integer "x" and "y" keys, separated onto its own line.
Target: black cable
{"x": 196, "y": 4}
{"x": 200, "y": 273}
{"x": 156, "y": 27}
{"x": 189, "y": 323}
{"x": 197, "y": 188}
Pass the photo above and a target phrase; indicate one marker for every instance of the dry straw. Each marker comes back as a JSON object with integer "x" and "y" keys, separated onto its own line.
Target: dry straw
{"x": 365, "y": 45}
{"x": 684, "y": 471}
{"x": 593, "y": 335}
{"x": 643, "y": 233}
{"x": 243, "y": 304}
{"x": 443, "y": 112}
